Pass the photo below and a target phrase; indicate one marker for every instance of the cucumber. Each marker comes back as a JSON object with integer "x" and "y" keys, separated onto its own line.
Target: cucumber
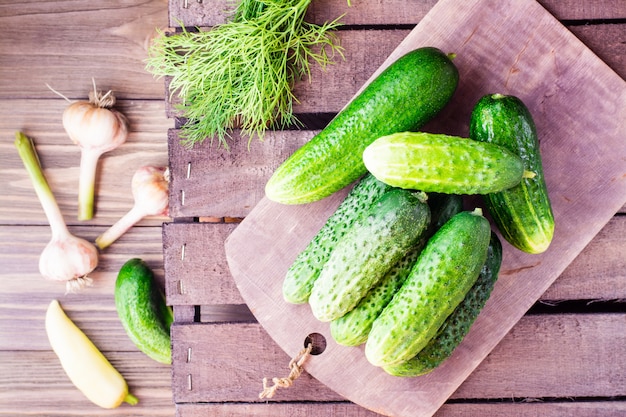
{"x": 142, "y": 310}
{"x": 352, "y": 328}
{"x": 458, "y": 324}
{"x": 441, "y": 163}
{"x": 407, "y": 94}
{"x": 523, "y": 214}
{"x": 305, "y": 269}
{"x": 376, "y": 241}
{"x": 444, "y": 272}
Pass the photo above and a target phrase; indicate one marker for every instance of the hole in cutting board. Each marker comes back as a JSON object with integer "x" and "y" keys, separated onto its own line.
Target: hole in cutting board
{"x": 317, "y": 341}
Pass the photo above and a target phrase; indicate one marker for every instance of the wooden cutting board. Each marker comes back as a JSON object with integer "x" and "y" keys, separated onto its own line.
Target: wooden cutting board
{"x": 579, "y": 105}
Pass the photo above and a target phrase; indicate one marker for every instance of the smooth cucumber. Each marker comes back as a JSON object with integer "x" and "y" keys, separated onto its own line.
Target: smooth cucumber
{"x": 352, "y": 328}
{"x": 523, "y": 213}
{"x": 407, "y": 94}
{"x": 377, "y": 241}
{"x": 142, "y": 310}
{"x": 458, "y": 324}
{"x": 444, "y": 272}
{"x": 442, "y": 163}
{"x": 306, "y": 267}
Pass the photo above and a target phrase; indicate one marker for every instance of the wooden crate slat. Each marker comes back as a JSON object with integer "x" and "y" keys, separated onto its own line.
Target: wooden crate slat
{"x": 370, "y": 12}
{"x": 512, "y": 408}
{"x": 211, "y": 181}
{"x": 195, "y": 263}
{"x": 228, "y": 361}
{"x": 596, "y": 274}
{"x": 35, "y": 381}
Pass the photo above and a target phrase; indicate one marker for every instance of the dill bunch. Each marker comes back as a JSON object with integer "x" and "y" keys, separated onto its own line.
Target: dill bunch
{"x": 241, "y": 73}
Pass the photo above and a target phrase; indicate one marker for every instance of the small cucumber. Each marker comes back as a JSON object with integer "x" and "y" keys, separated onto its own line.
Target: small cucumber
{"x": 440, "y": 163}
{"x": 407, "y": 94}
{"x": 305, "y": 269}
{"x": 523, "y": 213}
{"x": 458, "y": 324}
{"x": 142, "y": 310}
{"x": 352, "y": 328}
{"x": 376, "y": 241}
{"x": 444, "y": 272}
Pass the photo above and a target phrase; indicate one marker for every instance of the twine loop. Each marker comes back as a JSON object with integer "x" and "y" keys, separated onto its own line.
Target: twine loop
{"x": 295, "y": 370}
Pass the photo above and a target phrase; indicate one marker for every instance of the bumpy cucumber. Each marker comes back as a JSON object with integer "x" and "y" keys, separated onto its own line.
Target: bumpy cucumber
{"x": 306, "y": 267}
{"x": 458, "y": 324}
{"x": 407, "y": 94}
{"x": 142, "y": 310}
{"x": 376, "y": 241}
{"x": 352, "y": 328}
{"x": 523, "y": 213}
{"x": 441, "y": 163}
{"x": 444, "y": 272}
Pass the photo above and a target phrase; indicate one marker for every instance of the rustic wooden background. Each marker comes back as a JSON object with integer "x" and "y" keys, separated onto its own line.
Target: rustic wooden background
{"x": 565, "y": 357}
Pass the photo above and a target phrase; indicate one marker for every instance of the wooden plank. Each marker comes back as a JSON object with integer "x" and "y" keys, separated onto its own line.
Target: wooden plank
{"x": 34, "y": 383}
{"x": 597, "y": 273}
{"x": 60, "y": 159}
{"x": 570, "y": 408}
{"x": 65, "y": 44}
{"x": 26, "y": 294}
{"x": 211, "y": 181}
{"x": 370, "y": 12}
{"x": 552, "y": 72}
{"x": 195, "y": 263}
{"x": 228, "y": 362}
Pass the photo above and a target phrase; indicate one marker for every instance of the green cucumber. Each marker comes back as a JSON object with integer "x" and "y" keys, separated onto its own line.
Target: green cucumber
{"x": 407, "y": 94}
{"x": 142, "y": 310}
{"x": 306, "y": 267}
{"x": 523, "y": 213}
{"x": 352, "y": 328}
{"x": 441, "y": 163}
{"x": 458, "y": 324}
{"x": 444, "y": 272}
{"x": 376, "y": 241}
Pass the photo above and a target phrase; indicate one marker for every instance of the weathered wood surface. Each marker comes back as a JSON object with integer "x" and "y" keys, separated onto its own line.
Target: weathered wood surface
{"x": 65, "y": 44}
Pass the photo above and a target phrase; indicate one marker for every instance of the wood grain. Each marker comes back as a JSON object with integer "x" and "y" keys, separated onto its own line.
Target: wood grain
{"x": 60, "y": 160}
{"x": 66, "y": 43}
{"x": 45, "y": 389}
{"x": 511, "y": 408}
{"x": 515, "y": 368}
{"x": 551, "y": 71}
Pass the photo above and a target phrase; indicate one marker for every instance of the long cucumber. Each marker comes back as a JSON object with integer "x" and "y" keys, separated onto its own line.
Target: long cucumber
{"x": 407, "y": 94}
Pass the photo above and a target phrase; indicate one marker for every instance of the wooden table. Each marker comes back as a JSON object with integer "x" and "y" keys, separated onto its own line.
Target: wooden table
{"x": 564, "y": 358}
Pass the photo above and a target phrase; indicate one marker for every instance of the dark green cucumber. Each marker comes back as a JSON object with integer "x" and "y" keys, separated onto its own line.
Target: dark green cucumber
{"x": 376, "y": 241}
{"x": 407, "y": 94}
{"x": 306, "y": 267}
{"x": 142, "y": 310}
{"x": 444, "y": 272}
{"x": 352, "y": 328}
{"x": 444, "y": 164}
{"x": 458, "y": 324}
{"x": 523, "y": 213}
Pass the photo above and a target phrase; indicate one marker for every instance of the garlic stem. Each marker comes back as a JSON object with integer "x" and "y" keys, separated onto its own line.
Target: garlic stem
{"x": 150, "y": 187}
{"x": 28, "y": 154}
{"x": 128, "y": 220}
{"x": 87, "y": 182}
